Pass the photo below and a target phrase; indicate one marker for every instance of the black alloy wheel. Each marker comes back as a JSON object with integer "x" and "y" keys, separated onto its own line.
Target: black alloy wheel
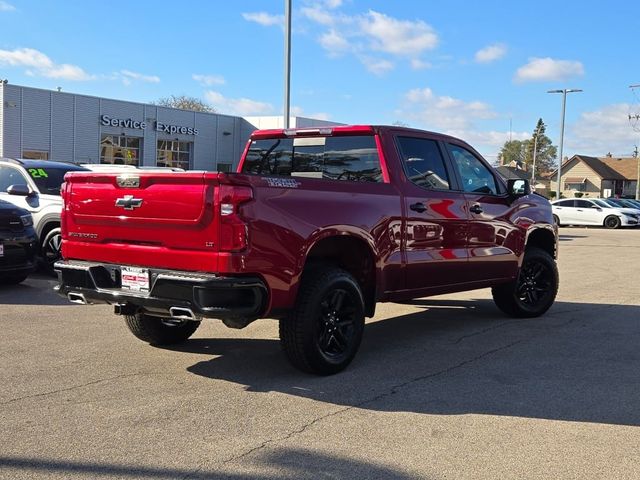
{"x": 534, "y": 283}
{"x": 535, "y": 289}
{"x": 323, "y": 332}
{"x": 612, "y": 221}
{"x": 337, "y": 323}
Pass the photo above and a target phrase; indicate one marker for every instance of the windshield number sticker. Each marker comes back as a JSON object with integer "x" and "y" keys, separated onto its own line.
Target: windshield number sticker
{"x": 38, "y": 173}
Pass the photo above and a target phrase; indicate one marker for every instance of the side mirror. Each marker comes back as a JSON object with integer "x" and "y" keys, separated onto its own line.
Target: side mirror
{"x": 518, "y": 187}
{"x": 22, "y": 190}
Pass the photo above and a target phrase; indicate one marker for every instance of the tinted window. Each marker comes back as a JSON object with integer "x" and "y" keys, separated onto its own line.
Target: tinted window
{"x": 583, "y": 204}
{"x": 271, "y": 157}
{"x": 564, "y": 203}
{"x": 49, "y": 180}
{"x": 476, "y": 176}
{"x": 10, "y": 176}
{"x": 423, "y": 162}
{"x": 352, "y": 158}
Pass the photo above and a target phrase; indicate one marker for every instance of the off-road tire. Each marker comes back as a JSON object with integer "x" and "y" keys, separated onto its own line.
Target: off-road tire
{"x": 612, "y": 221}
{"x": 155, "y": 331}
{"x": 323, "y": 332}
{"x": 535, "y": 289}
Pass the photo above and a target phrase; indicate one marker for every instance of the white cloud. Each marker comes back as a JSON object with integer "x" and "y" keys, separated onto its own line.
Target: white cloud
{"x": 548, "y": 69}
{"x": 208, "y": 80}
{"x": 363, "y": 34}
{"x": 39, "y": 64}
{"x": 6, "y": 7}
{"x": 319, "y": 15}
{"x": 398, "y": 37}
{"x": 237, "y": 106}
{"x": 601, "y": 131}
{"x": 377, "y": 66}
{"x": 418, "y": 64}
{"x": 263, "y": 18}
{"x": 297, "y": 111}
{"x": 442, "y": 112}
{"x": 334, "y": 43}
{"x": 129, "y": 75}
{"x": 491, "y": 53}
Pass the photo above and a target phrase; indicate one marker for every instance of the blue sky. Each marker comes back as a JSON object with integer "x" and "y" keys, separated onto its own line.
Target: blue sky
{"x": 477, "y": 70}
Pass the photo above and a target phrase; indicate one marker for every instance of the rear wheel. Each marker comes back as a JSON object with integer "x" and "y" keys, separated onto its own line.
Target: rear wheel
{"x": 535, "y": 289}
{"x": 160, "y": 331}
{"x": 556, "y": 220}
{"x": 323, "y": 333}
{"x": 612, "y": 222}
{"x": 50, "y": 249}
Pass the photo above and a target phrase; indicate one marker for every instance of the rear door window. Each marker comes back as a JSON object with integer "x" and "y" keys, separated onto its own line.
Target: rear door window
{"x": 423, "y": 163}
{"x": 346, "y": 158}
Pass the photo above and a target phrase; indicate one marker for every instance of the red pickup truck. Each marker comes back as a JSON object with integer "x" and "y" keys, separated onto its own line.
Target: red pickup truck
{"x": 315, "y": 228}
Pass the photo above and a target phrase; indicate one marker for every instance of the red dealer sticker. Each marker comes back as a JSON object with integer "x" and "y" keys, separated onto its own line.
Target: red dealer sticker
{"x": 135, "y": 279}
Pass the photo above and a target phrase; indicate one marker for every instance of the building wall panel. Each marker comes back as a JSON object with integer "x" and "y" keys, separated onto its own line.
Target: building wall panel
{"x": 87, "y": 129}
{"x": 12, "y": 137}
{"x": 61, "y": 127}
{"x": 36, "y": 120}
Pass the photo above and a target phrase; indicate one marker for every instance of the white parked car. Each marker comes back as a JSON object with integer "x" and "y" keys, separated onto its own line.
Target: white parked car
{"x": 591, "y": 211}
{"x": 35, "y": 186}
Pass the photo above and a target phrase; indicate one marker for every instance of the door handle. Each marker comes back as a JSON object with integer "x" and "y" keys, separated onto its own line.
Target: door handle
{"x": 476, "y": 209}
{"x": 418, "y": 207}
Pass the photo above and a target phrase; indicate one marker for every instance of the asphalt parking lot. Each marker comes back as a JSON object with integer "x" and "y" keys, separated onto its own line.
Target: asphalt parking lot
{"x": 446, "y": 387}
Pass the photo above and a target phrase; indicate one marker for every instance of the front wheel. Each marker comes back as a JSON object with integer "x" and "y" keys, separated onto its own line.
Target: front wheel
{"x": 160, "y": 331}
{"x": 323, "y": 333}
{"x": 612, "y": 222}
{"x": 535, "y": 289}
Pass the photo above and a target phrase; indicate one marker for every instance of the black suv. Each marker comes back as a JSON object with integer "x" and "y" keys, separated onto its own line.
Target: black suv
{"x": 18, "y": 243}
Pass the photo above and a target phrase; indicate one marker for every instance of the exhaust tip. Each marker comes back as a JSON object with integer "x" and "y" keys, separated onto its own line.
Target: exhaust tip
{"x": 182, "y": 313}
{"x": 77, "y": 298}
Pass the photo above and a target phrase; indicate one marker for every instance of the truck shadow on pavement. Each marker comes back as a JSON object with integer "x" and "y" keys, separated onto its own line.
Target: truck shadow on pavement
{"x": 282, "y": 464}
{"x": 577, "y": 363}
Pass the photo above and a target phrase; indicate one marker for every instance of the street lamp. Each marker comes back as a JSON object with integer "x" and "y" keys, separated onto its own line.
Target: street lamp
{"x": 564, "y": 92}
{"x": 287, "y": 60}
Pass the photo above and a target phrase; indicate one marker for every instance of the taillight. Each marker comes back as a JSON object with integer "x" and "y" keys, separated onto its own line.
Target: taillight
{"x": 234, "y": 231}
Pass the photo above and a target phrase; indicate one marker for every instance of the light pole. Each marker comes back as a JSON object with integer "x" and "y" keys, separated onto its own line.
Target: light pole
{"x": 287, "y": 59}
{"x": 564, "y": 92}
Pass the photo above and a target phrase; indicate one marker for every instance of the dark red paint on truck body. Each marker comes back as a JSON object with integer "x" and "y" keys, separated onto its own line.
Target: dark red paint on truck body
{"x": 398, "y": 239}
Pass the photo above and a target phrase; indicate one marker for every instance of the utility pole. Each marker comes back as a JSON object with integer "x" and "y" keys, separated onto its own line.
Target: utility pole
{"x": 564, "y": 92}
{"x": 287, "y": 60}
{"x": 636, "y": 117}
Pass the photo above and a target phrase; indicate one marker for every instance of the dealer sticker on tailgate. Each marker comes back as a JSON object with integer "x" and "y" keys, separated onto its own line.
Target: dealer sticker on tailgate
{"x": 134, "y": 278}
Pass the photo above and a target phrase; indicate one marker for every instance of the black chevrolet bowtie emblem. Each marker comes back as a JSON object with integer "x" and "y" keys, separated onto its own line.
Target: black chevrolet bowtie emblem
{"x": 128, "y": 202}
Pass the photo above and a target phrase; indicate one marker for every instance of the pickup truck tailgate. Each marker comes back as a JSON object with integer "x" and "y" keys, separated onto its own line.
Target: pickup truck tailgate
{"x": 141, "y": 219}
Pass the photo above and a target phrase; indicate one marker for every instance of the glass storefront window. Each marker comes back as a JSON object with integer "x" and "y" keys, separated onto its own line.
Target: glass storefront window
{"x": 120, "y": 150}
{"x": 35, "y": 155}
{"x": 173, "y": 153}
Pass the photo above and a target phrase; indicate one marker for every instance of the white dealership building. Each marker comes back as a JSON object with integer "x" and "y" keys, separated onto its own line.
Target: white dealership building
{"x": 55, "y": 125}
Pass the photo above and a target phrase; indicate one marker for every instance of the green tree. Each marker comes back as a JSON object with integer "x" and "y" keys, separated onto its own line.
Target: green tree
{"x": 185, "y": 103}
{"x": 546, "y": 153}
{"x": 513, "y": 151}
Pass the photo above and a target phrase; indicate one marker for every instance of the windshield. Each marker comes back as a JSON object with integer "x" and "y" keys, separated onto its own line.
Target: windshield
{"x": 613, "y": 203}
{"x": 49, "y": 179}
